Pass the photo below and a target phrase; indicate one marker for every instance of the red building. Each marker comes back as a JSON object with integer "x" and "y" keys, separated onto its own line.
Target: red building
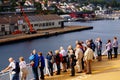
{"x": 89, "y": 14}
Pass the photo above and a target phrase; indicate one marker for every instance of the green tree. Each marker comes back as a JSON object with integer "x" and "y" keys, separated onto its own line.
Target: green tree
{"x": 114, "y": 3}
{"x": 13, "y": 4}
{"x": 38, "y": 6}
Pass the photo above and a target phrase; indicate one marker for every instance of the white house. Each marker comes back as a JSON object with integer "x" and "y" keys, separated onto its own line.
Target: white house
{"x": 8, "y": 24}
{"x": 4, "y": 25}
{"x": 45, "y": 21}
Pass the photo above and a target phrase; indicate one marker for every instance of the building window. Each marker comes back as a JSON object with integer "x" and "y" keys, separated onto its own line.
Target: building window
{"x": 46, "y": 24}
{"x": 49, "y": 23}
{"x": 59, "y": 23}
{"x": 43, "y": 24}
{"x": 52, "y": 23}
{"x": 35, "y": 24}
{"x": 2, "y": 25}
{"x": 2, "y": 28}
{"x": 40, "y": 25}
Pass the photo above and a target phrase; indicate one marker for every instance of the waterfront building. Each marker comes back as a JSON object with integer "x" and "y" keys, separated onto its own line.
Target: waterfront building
{"x": 10, "y": 24}
{"x": 7, "y": 24}
{"x": 46, "y": 21}
{"x": 81, "y": 15}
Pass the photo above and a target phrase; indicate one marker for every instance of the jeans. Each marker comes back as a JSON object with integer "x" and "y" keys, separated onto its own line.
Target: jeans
{"x": 35, "y": 72}
{"x": 115, "y": 52}
{"x": 50, "y": 67}
{"x": 110, "y": 54}
{"x": 15, "y": 76}
{"x": 99, "y": 55}
{"x": 42, "y": 72}
{"x": 58, "y": 68}
{"x": 72, "y": 71}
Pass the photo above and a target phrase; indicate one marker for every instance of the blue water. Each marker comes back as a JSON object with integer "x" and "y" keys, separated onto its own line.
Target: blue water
{"x": 106, "y": 29}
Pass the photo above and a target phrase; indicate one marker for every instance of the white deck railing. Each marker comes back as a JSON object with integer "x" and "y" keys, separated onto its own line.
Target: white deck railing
{"x": 7, "y": 75}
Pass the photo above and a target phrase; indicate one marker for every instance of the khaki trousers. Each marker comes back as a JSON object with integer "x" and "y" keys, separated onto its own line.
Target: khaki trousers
{"x": 79, "y": 65}
{"x": 24, "y": 73}
{"x": 88, "y": 66}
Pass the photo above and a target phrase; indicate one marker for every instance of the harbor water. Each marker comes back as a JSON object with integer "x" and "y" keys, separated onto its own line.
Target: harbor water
{"x": 106, "y": 29}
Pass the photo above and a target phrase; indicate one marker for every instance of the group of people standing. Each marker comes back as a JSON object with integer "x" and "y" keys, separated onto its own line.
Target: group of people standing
{"x": 112, "y": 46}
{"x": 78, "y": 58}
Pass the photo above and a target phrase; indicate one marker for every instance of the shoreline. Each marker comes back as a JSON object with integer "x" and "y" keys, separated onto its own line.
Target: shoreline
{"x": 41, "y": 33}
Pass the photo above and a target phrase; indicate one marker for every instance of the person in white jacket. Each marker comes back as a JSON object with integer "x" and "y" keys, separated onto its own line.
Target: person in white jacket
{"x": 79, "y": 56}
{"x": 64, "y": 62}
{"x": 88, "y": 57}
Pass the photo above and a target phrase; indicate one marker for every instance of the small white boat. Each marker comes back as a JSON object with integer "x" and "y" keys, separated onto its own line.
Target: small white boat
{"x": 67, "y": 18}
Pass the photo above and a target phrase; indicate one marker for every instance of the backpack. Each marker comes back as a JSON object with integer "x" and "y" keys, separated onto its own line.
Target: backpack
{"x": 17, "y": 67}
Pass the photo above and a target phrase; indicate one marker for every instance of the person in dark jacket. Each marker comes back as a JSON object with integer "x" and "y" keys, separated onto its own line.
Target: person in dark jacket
{"x": 99, "y": 48}
{"x": 115, "y": 47}
{"x": 57, "y": 60}
{"x": 41, "y": 65}
{"x": 34, "y": 61}
{"x": 68, "y": 55}
{"x": 109, "y": 49}
{"x": 92, "y": 45}
{"x": 72, "y": 62}
{"x": 50, "y": 60}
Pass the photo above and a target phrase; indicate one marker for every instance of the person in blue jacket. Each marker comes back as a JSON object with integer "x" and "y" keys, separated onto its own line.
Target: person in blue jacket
{"x": 34, "y": 62}
{"x": 50, "y": 61}
{"x": 41, "y": 65}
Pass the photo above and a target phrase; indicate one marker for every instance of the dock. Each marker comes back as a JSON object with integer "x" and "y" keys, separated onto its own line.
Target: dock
{"x": 41, "y": 33}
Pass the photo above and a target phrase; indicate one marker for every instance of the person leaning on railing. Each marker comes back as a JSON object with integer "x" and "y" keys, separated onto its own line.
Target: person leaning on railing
{"x": 14, "y": 73}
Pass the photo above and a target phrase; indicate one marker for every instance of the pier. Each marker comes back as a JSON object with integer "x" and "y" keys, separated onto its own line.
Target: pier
{"x": 42, "y": 33}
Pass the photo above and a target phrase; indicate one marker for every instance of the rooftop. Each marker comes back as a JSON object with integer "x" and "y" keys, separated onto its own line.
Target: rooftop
{"x": 14, "y": 18}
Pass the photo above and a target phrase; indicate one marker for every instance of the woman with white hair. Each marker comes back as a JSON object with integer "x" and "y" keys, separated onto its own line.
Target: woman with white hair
{"x": 64, "y": 62}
